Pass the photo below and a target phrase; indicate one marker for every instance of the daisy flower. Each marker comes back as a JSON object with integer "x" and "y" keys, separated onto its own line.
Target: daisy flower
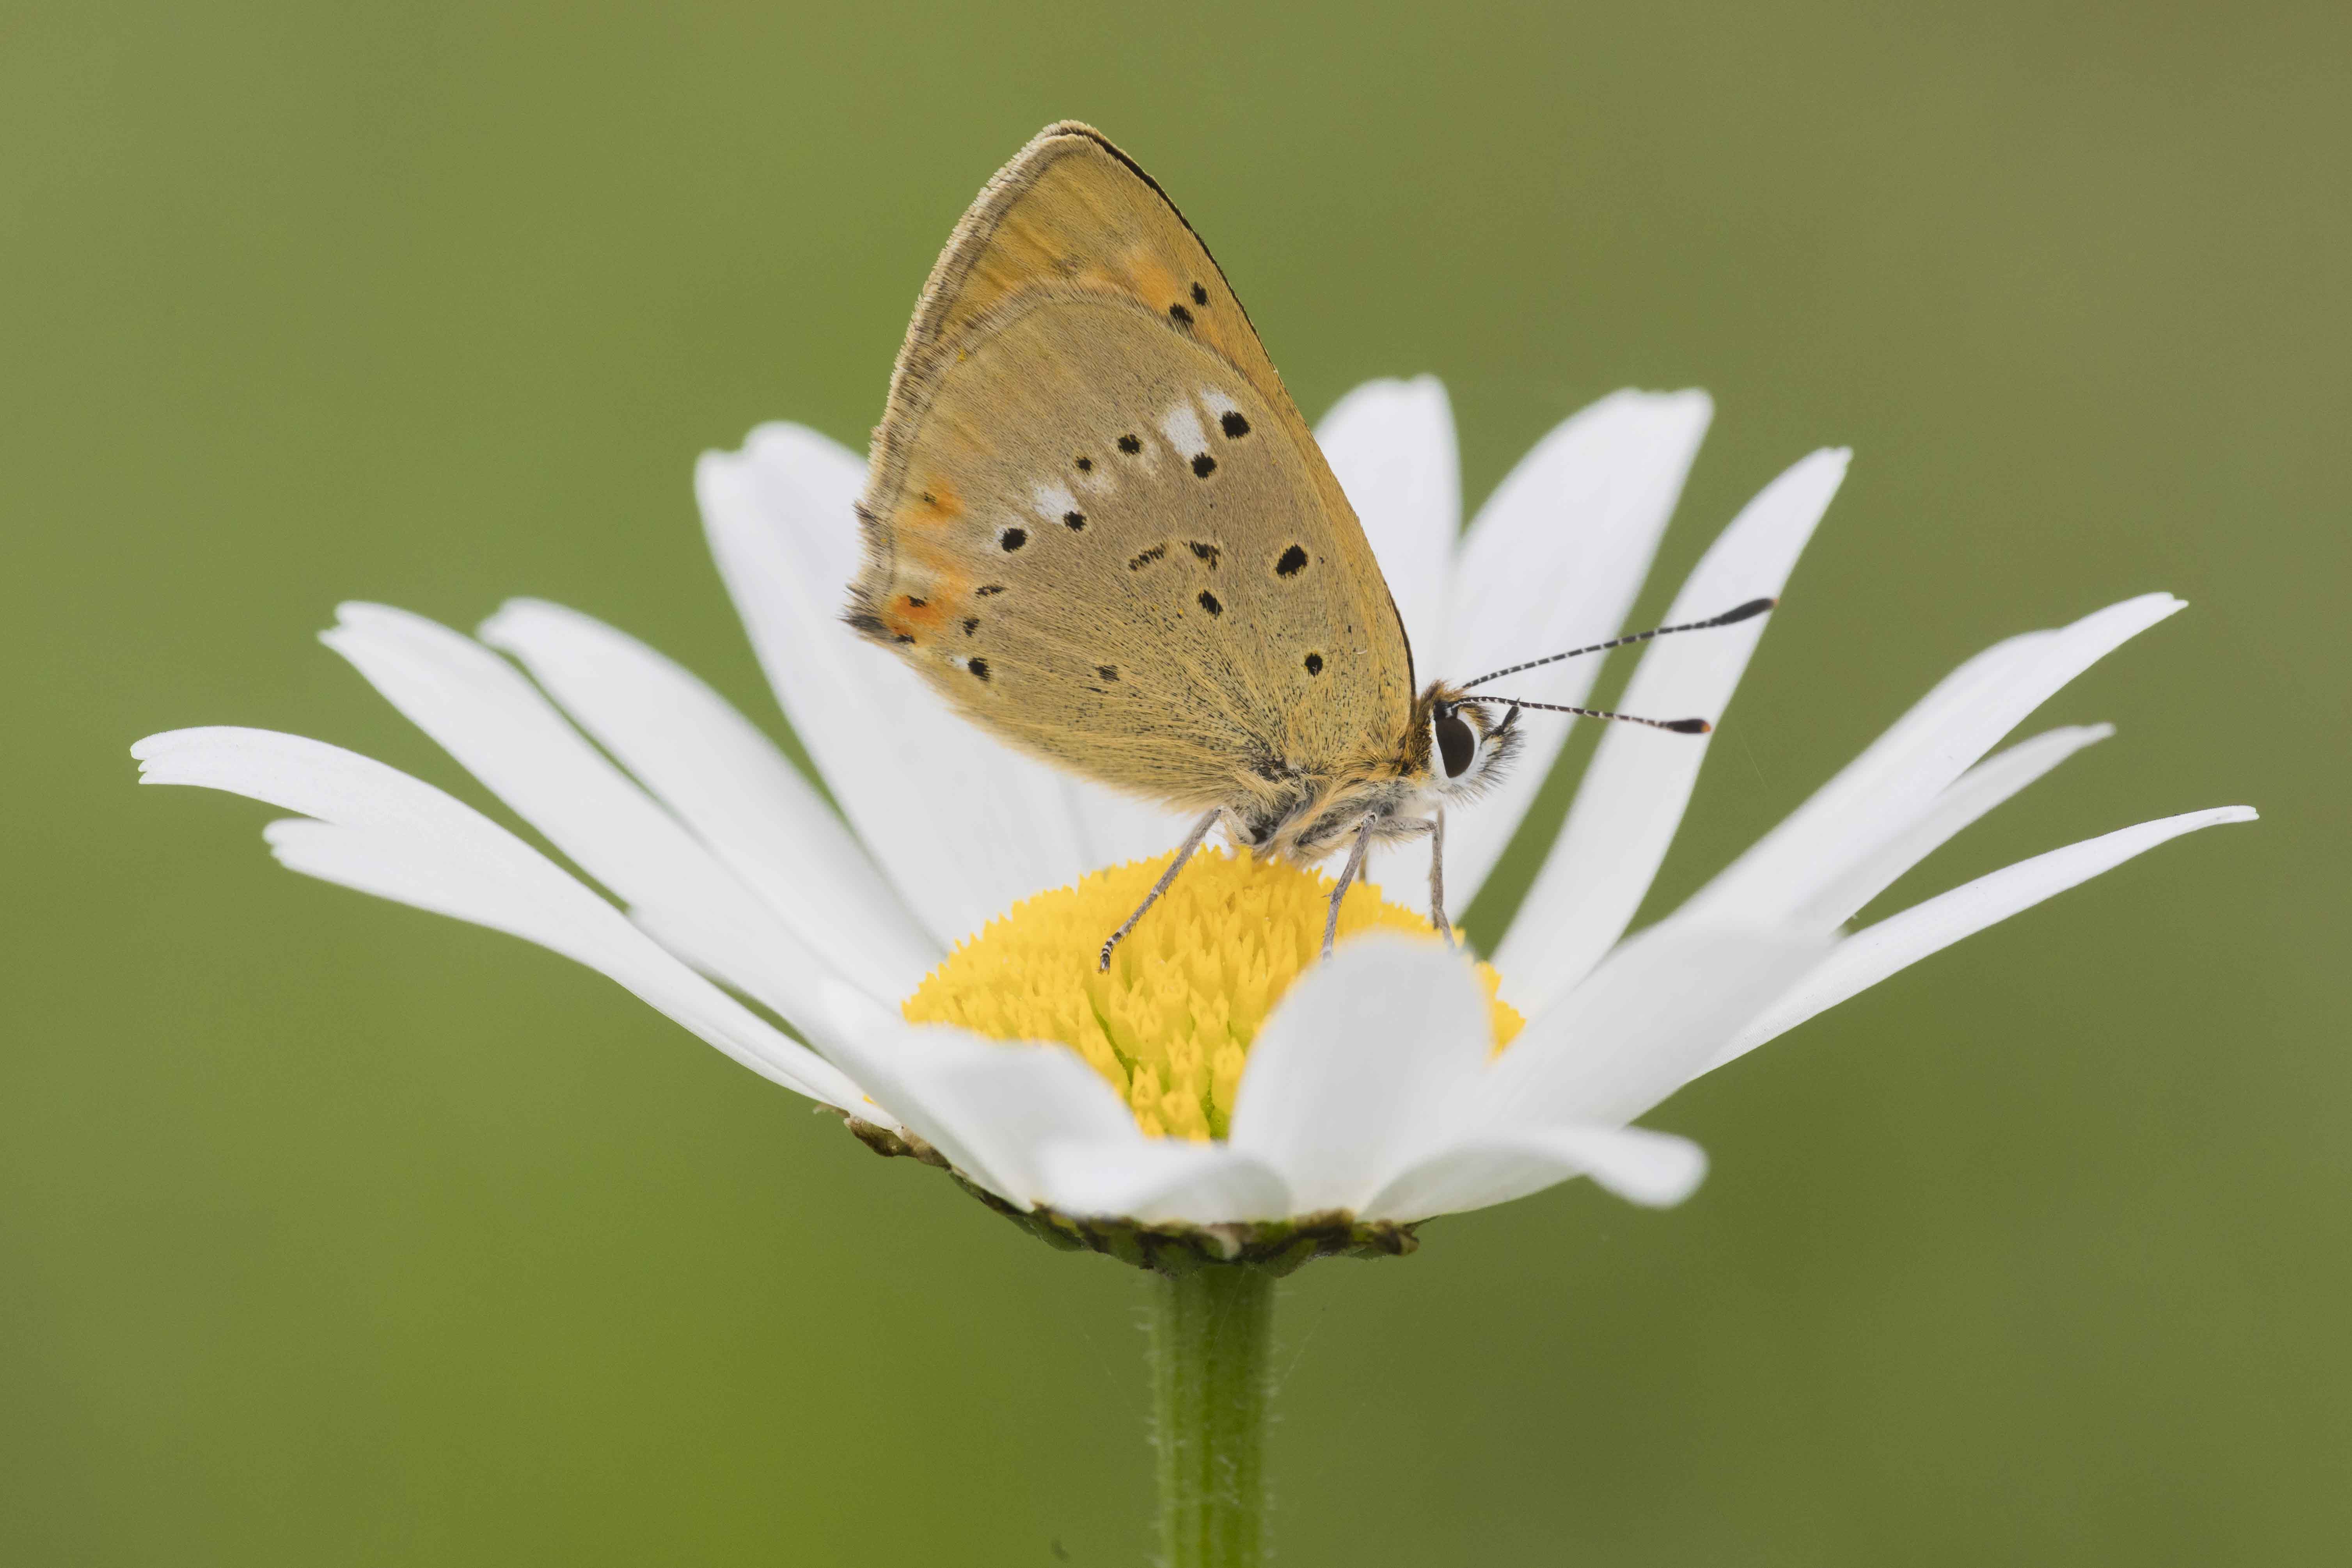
{"x": 916, "y": 953}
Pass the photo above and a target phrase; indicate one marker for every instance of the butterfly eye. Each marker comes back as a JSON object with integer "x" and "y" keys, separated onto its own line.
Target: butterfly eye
{"x": 1455, "y": 743}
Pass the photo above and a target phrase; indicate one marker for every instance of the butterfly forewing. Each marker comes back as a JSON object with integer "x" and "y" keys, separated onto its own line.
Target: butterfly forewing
{"x": 1097, "y": 522}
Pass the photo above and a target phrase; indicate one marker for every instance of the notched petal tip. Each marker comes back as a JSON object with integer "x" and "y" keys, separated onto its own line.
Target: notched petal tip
{"x": 164, "y": 757}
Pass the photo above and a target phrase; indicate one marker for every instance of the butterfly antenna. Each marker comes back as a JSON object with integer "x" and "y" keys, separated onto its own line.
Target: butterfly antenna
{"x": 1679, "y": 726}
{"x": 1729, "y": 617}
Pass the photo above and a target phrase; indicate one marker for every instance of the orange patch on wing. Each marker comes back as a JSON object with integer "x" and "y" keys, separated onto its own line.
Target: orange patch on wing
{"x": 937, "y": 501}
{"x": 920, "y": 612}
{"x": 929, "y": 597}
{"x": 950, "y": 589}
{"x": 1158, "y": 286}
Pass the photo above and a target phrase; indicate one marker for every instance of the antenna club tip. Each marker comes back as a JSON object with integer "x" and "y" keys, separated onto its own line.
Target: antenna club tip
{"x": 1752, "y": 608}
{"x": 1690, "y": 727}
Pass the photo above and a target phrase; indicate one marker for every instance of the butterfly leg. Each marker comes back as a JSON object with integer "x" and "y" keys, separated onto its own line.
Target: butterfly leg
{"x": 1347, "y": 879}
{"x": 1437, "y": 875}
{"x": 1184, "y": 854}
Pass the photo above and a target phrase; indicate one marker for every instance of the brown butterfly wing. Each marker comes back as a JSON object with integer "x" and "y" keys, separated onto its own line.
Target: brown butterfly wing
{"x": 1097, "y": 522}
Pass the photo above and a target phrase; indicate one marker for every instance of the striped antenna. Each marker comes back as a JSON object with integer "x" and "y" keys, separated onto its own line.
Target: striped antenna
{"x": 1679, "y": 726}
{"x": 1729, "y": 617}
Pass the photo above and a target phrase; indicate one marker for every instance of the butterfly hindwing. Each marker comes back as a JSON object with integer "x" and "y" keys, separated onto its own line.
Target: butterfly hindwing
{"x": 1097, "y": 522}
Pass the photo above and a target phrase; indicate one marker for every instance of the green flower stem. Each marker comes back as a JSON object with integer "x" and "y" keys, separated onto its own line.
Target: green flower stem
{"x": 1212, "y": 1338}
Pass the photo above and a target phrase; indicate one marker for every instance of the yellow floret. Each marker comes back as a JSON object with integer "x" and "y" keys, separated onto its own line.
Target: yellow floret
{"x": 1169, "y": 1026}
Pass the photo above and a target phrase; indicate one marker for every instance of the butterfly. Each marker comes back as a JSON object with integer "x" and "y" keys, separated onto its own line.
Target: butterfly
{"x": 1097, "y": 524}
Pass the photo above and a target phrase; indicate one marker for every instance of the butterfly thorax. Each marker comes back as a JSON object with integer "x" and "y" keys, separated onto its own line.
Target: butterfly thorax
{"x": 1454, "y": 750}
{"x": 1316, "y": 815}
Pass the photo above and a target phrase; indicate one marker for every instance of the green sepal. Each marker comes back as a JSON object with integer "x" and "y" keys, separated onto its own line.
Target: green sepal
{"x": 1276, "y": 1246}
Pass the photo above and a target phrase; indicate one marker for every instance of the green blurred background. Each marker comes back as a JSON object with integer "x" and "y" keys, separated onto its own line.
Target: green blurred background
{"x": 332, "y": 1232}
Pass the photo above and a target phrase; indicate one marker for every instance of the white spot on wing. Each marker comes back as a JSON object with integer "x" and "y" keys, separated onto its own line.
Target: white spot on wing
{"x": 1053, "y": 500}
{"x": 1218, "y": 403}
{"x": 1182, "y": 425}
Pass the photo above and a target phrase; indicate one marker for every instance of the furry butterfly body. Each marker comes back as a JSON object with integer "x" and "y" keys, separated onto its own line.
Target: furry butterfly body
{"x": 1098, "y": 525}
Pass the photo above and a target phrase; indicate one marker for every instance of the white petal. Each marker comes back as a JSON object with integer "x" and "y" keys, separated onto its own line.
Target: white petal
{"x": 990, "y": 1107}
{"x": 729, "y": 784}
{"x": 1554, "y": 560}
{"x": 484, "y": 714}
{"x": 1657, "y": 1170}
{"x": 382, "y": 832}
{"x": 1350, "y": 1076}
{"x": 1391, "y": 444}
{"x": 1975, "y": 792}
{"x": 1164, "y": 1181}
{"x": 964, "y": 826}
{"x": 1633, "y": 794}
{"x": 1892, "y": 784}
{"x": 1639, "y": 1029}
{"x": 737, "y": 957}
{"x": 820, "y": 514}
{"x": 1873, "y": 953}
{"x": 1116, "y": 827}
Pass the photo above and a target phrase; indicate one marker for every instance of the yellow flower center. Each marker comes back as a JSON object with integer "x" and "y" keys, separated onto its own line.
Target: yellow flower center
{"x": 1169, "y": 1026}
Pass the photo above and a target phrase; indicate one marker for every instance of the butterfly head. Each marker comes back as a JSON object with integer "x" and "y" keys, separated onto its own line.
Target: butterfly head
{"x": 1466, "y": 743}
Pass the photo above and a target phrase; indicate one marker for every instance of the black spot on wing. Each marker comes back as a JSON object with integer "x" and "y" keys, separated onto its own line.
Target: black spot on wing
{"x": 1200, "y": 295}
{"x": 1107, "y": 671}
{"x": 1139, "y": 561}
{"x": 915, "y": 604}
{"x": 1074, "y": 521}
{"x": 1232, "y": 424}
{"x": 1203, "y": 465}
{"x": 1207, "y": 552}
{"x": 991, "y": 588}
{"x": 1291, "y": 562}
{"x": 1086, "y": 464}
{"x": 979, "y": 666}
{"x": 1131, "y": 444}
{"x": 1209, "y": 602}
{"x": 1181, "y": 316}
{"x": 970, "y": 625}
{"x": 1011, "y": 539}
{"x": 1314, "y": 664}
